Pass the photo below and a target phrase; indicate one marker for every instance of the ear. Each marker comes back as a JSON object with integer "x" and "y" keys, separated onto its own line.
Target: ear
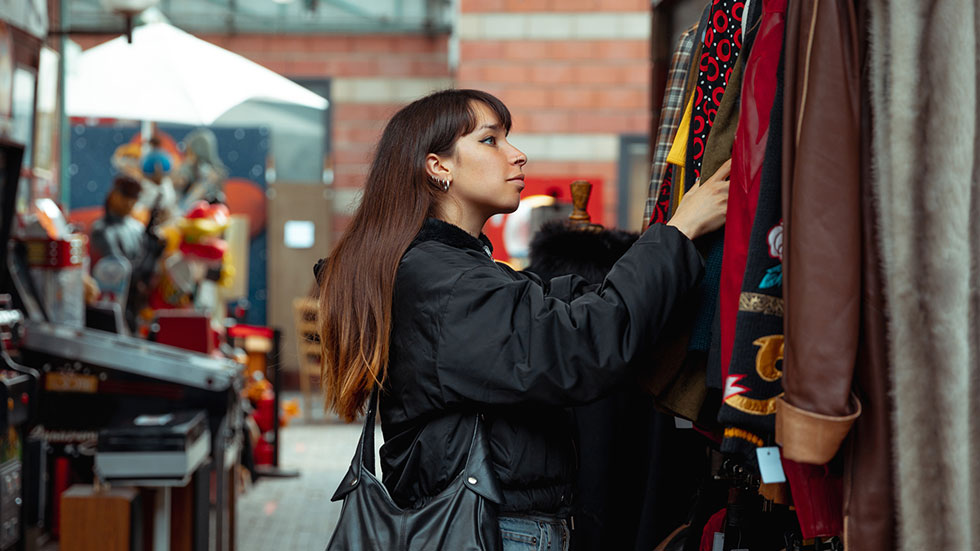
{"x": 438, "y": 168}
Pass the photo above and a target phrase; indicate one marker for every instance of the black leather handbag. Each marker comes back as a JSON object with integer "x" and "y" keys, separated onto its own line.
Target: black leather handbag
{"x": 463, "y": 517}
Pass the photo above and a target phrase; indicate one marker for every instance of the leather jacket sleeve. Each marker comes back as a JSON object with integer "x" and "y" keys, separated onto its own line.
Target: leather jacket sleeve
{"x": 508, "y": 339}
{"x": 822, "y": 209}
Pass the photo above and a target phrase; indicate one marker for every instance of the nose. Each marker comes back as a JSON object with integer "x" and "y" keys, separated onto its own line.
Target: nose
{"x": 521, "y": 158}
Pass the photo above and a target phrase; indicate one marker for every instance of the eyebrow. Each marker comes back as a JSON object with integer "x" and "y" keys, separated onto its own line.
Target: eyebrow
{"x": 490, "y": 127}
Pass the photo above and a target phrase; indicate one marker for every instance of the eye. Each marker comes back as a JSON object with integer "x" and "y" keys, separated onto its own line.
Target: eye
{"x": 489, "y": 140}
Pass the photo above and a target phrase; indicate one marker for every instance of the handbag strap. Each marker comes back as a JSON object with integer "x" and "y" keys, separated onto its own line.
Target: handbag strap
{"x": 478, "y": 471}
{"x": 366, "y": 443}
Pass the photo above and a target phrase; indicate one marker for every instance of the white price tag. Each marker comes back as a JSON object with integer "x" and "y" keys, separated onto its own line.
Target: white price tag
{"x": 718, "y": 544}
{"x": 770, "y": 466}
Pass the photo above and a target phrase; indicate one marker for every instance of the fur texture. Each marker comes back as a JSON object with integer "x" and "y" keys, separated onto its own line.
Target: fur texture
{"x": 557, "y": 250}
{"x": 924, "y": 101}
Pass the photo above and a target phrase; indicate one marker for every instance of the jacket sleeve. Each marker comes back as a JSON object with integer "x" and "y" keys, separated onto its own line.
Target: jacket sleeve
{"x": 506, "y": 341}
{"x": 822, "y": 263}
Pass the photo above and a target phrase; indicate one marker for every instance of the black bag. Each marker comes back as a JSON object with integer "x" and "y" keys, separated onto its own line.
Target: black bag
{"x": 463, "y": 517}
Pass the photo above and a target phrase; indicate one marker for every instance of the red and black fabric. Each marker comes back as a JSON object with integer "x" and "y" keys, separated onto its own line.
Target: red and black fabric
{"x": 748, "y": 153}
{"x": 751, "y": 22}
{"x": 719, "y": 52}
{"x": 661, "y": 210}
{"x": 753, "y": 383}
{"x": 667, "y": 192}
{"x": 722, "y": 42}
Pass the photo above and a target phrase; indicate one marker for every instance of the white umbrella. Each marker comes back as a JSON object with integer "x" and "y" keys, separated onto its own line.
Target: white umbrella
{"x": 167, "y": 75}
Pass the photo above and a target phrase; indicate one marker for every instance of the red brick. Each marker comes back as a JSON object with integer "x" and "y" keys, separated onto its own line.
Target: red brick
{"x": 520, "y": 119}
{"x": 524, "y": 50}
{"x": 607, "y": 122}
{"x": 527, "y": 5}
{"x": 639, "y": 75}
{"x": 373, "y": 44}
{"x": 430, "y": 68}
{"x": 574, "y": 5}
{"x": 509, "y": 73}
{"x": 622, "y": 98}
{"x": 347, "y": 157}
{"x": 472, "y": 50}
{"x": 308, "y": 68}
{"x": 524, "y": 96}
{"x": 558, "y": 72}
{"x": 482, "y": 6}
{"x": 393, "y": 66}
{"x": 346, "y": 134}
{"x": 359, "y": 66}
{"x": 598, "y": 74}
{"x": 567, "y": 49}
{"x": 470, "y": 72}
{"x": 408, "y": 44}
{"x": 623, "y": 49}
{"x": 573, "y": 97}
{"x": 328, "y": 43}
{"x": 359, "y": 112}
{"x": 550, "y": 121}
{"x": 624, "y": 5}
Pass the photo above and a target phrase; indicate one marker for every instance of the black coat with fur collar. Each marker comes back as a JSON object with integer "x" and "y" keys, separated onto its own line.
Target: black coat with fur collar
{"x": 470, "y": 335}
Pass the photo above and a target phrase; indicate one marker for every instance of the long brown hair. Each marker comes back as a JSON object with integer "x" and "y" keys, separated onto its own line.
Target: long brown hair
{"x": 359, "y": 278}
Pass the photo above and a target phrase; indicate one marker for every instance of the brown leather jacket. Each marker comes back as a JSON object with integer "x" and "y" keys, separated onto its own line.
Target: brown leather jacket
{"x": 835, "y": 355}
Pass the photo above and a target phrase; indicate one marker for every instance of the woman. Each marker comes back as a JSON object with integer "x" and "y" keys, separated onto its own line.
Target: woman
{"x": 412, "y": 300}
{"x": 202, "y": 174}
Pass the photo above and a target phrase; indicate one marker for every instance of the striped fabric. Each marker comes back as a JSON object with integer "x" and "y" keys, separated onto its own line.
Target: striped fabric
{"x": 670, "y": 114}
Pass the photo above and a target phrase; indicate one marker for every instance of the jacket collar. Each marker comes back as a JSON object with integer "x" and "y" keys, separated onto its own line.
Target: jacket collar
{"x": 434, "y": 229}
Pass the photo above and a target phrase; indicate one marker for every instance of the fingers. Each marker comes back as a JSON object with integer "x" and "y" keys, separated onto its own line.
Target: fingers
{"x": 723, "y": 172}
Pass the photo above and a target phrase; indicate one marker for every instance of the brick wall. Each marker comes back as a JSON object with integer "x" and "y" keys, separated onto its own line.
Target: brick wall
{"x": 575, "y": 74}
{"x": 372, "y": 76}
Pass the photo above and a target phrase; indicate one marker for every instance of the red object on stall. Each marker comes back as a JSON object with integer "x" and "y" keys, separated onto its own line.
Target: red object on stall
{"x": 263, "y": 452}
{"x": 264, "y": 414}
{"x": 557, "y": 187}
{"x": 187, "y": 329}
{"x": 242, "y": 330}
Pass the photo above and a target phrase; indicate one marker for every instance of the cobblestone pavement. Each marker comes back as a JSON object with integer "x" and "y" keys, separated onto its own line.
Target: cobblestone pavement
{"x": 296, "y": 514}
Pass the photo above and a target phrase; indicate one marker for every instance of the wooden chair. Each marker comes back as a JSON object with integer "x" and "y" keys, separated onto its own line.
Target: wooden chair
{"x": 308, "y": 348}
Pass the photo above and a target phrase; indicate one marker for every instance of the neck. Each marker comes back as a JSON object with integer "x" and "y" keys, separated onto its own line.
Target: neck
{"x": 471, "y": 223}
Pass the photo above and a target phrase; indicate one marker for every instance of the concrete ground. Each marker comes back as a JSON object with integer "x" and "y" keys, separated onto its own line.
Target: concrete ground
{"x": 296, "y": 514}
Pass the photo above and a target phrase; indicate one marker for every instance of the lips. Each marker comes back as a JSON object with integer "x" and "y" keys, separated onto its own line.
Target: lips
{"x": 519, "y": 179}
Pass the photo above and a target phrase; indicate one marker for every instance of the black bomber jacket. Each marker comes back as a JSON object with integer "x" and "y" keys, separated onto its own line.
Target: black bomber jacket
{"x": 470, "y": 336}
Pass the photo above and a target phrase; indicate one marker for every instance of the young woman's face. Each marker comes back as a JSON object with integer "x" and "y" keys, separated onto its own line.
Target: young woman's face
{"x": 486, "y": 170}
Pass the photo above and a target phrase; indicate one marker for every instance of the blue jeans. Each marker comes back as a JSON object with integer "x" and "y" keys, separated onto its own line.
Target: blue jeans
{"x": 534, "y": 533}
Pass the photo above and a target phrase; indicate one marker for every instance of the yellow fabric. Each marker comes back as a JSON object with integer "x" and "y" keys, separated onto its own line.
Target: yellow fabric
{"x": 678, "y": 149}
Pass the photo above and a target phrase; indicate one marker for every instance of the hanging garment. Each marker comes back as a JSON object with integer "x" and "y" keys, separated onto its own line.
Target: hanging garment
{"x": 927, "y": 203}
{"x": 752, "y": 380}
{"x": 678, "y": 150}
{"x": 717, "y": 151}
{"x": 823, "y": 272}
{"x": 667, "y": 197}
{"x": 750, "y": 149}
{"x": 718, "y": 148}
{"x": 670, "y": 115}
{"x": 720, "y": 49}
